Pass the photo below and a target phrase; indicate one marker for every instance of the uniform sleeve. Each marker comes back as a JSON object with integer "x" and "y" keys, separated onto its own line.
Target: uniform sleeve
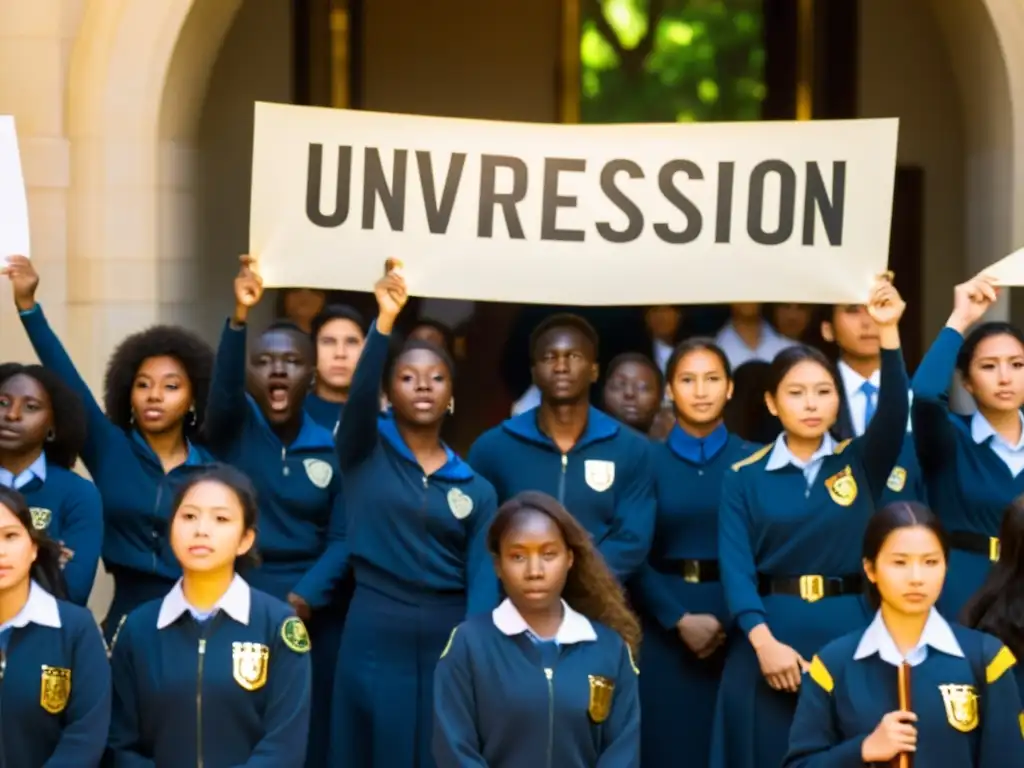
{"x": 456, "y": 742}
{"x": 318, "y": 584}
{"x": 934, "y": 433}
{"x": 82, "y": 533}
{"x": 1002, "y": 717}
{"x": 227, "y": 407}
{"x": 51, "y": 353}
{"x": 620, "y": 737}
{"x": 482, "y": 581}
{"x": 738, "y": 569}
{"x": 658, "y": 598}
{"x": 87, "y": 717}
{"x": 357, "y": 433}
{"x": 626, "y": 545}
{"x": 286, "y": 719}
{"x": 480, "y": 459}
{"x": 814, "y": 737}
{"x": 125, "y": 748}
{"x": 879, "y": 451}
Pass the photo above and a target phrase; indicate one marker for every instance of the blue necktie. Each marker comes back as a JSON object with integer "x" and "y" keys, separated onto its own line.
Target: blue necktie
{"x": 869, "y": 390}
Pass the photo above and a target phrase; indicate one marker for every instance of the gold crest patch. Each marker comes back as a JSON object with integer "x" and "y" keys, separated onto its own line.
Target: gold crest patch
{"x": 601, "y": 692}
{"x": 41, "y": 518}
{"x": 249, "y": 662}
{"x": 459, "y": 503}
{"x": 599, "y": 474}
{"x": 842, "y": 487}
{"x": 319, "y": 472}
{"x": 961, "y": 702}
{"x": 54, "y": 689}
{"x": 897, "y": 479}
{"x": 294, "y": 634}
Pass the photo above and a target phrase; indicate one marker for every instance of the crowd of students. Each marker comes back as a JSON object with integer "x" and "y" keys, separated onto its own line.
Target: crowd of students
{"x": 306, "y": 574}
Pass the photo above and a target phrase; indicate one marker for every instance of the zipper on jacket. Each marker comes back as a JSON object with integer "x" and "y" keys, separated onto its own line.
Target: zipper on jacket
{"x": 284, "y": 462}
{"x": 561, "y": 479}
{"x": 549, "y": 673}
{"x": 199, "y": 703}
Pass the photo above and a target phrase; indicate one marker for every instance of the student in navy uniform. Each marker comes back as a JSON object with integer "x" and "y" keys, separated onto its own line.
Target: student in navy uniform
{"x": 855, "y": 335}
{"x": 569, "y": 449}
{"x": 339, "y": 333}
{"x": 42, "y": 430}
{"x": 789, "y": 513}
{"x": 971, "y": 464}
{"x": 678, "y": 590}
{"x": 998, "y": 607}
{"x": 547, "y": 678}
{"x": 256, "y": 422}
{"x": 418, "y": 518}
{"x": 217, "y": 673}
{"x": 55, "y": 692}
{"x": 632, "y": 391}
{"x": 140, "y": 445}
{"x": 964, "y": 704}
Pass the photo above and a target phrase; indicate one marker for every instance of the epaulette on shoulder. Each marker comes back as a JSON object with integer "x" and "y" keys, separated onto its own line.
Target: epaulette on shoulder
{"x": 759, "y": 454}
{"x": 842, "y": 446}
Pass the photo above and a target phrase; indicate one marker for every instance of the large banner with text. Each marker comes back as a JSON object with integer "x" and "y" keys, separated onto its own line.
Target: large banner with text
{"x": 573, "y": 214}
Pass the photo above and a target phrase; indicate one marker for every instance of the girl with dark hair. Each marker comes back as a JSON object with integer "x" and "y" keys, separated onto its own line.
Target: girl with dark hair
{"x": 972, "y": 465}
{"x": 59, "y": 717}
{"x": 998, "y": 607}
{"x": 547, "y": 677}
{"x": 418, "y": 518}
{"x": 678, "y": 590}
{"x": 788, "y": 514}
{"x": 216, "y": 673}
{"x": 256, "y": 422}
{"x": 42, "y": 430}
{"x": 964, "y": 705}
{"x": 338, "y": 333}
{"x": 632, "y": 391}
{"x": 141, "y": 448}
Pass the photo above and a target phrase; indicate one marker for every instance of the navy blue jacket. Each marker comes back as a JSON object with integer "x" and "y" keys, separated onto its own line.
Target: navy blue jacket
{"x": 605, "y": 481}
{"x": 302, "y": 518}
{"x": 54, "y": 688}
{"x": 410, "y": 532}
{"x": 324, "y": 413}
{"x": 688, "y": 474}
{"x": 136, "y": 491}
{"x": 220, "y": 693}
{"x": 842, "y": 701}
{"x": 68, "y": 507}
{"x": 509, "y": 702}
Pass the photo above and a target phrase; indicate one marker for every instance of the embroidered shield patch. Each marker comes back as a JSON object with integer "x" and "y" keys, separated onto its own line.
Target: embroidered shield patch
{"x": 961, "y": 702}
{"x": 599, "y": 474}
{"x": 294, "y": 634}
{"x": 319, "y": 472}
{"x": 602, "y": 689}
{"x": 249, "y": 662}
{"x": 459, "y": 503}
{"x": 842, "y": 487}
{"x": 41, "y": 518}
{"x": 54, "y": 689}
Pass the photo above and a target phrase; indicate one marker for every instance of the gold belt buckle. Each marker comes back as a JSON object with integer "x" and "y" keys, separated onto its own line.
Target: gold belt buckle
{"x": 993, "y": 549}
{"x": 812, "y": 588}
{"x": 691, "y": 571}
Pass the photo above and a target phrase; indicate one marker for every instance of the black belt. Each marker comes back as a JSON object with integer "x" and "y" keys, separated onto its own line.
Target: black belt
{"x": 811, "y": 588}
{"x": 978, "y": 543}
{"x": 692, "y": 571}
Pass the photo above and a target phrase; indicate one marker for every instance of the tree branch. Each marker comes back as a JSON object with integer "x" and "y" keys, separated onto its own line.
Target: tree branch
{"x": 632, "y": 59}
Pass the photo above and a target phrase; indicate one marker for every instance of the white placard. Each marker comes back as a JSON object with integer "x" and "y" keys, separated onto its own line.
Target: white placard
{"x": 14, "y": 232}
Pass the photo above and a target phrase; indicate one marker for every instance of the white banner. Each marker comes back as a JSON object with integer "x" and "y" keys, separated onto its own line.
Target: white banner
{"x": 577, "y": 214}
{"x": 14, "y": 238}
{"x": 1009, "y": 271}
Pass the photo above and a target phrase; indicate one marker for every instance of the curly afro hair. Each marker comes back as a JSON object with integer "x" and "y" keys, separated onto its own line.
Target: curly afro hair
{"x": 68, "y": 413}
{"x": 194, "y": 354}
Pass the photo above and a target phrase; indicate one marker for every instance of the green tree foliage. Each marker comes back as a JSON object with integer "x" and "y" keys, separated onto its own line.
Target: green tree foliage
{"x": 671, "y": 61}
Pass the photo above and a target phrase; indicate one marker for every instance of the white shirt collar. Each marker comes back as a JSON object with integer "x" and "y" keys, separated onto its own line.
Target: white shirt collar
{"x": 937, "y": 634}
{"x": 40, "y": 608}
{"x": 853, "y": 381}
{"x": 36, "y": 469}
{"x": 235, "y": 603}
{"x": 575, "y": 628}
{"x": 982, "y": 430}
{"x": 781, "y": 456}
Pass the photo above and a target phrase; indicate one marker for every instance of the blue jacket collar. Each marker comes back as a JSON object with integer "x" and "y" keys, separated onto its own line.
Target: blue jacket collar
{"x": 694, "y": 449}
{"x": 311, "y": 437}
{"x": 455, "y": 470}
{"x": 600, "y": 426}
{"x": 196, "y": 457}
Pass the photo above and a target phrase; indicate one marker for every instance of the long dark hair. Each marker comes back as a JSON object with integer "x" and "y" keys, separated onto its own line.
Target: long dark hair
{"x": 998, "y": 607}
{"x": 590, "y": 587}
{"x": 46, "y": 570}
{"x": 890, "y": 518}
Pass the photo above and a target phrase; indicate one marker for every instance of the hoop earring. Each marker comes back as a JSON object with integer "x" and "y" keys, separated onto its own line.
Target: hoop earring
{"x": 131, "y": 418}
{"x": 451, "y": 406}
{"x": 192, "y": 415}
{"x": 51, "y": 436}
